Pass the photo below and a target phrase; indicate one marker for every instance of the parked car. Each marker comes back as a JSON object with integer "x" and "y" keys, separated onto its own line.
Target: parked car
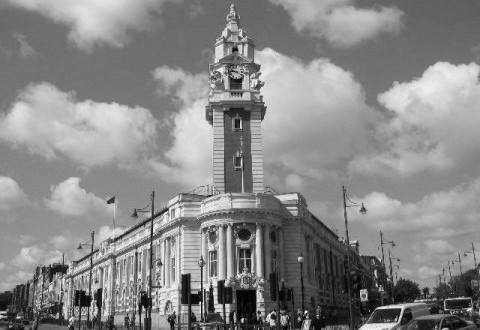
{"x": 3, "y": 316}
{"x": 15, "y": 325}
{"x": 440, "y": 322}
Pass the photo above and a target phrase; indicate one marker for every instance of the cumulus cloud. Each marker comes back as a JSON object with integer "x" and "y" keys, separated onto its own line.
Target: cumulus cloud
{"x": 53, "y": 124}
{"x": 433, "y": 125}
{"x": 340, "y": 22}
{"x": 11, "y": 195}
{"x": 92, "y": 23}
{"x": 10, "y": 281}
{"x": 439, "y": 215}
{"x": 68, "y": 198}
{"x": 106, "y": 232}
{"x": 328, "y": 109}
{"x": 188, "y": 160}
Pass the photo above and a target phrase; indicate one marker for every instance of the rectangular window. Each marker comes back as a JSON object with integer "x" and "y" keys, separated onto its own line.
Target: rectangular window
{"x": 244, "y": 260}
{"x": 173, "y": 269}
{"x": 235, "y": 83}
{"x": 274, "y": 261}
{"x": 212, "y": 257}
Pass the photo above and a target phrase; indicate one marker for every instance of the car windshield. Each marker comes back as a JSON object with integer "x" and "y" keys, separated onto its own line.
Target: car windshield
{"x": 457, "y": 303}
{"x": 389, "y": 315}
{"x": 424, "y": 325}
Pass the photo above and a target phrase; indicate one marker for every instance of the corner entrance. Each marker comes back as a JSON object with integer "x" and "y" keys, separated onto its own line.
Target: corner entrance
{"x": 246, "y": 304}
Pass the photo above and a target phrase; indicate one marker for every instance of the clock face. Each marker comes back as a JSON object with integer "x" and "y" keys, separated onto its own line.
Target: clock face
{"x": 235, "y": 72}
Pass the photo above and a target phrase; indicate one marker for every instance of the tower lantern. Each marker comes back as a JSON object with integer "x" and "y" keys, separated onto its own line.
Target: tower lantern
{"x": 235, "y": 110}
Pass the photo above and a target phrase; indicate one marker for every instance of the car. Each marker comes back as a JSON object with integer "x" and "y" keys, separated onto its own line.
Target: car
{"x": 440, "y": 322}
{"x": 15, "y": 325}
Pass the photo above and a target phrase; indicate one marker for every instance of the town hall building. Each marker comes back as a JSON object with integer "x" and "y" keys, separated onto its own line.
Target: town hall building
{"x": 241, "y": 231}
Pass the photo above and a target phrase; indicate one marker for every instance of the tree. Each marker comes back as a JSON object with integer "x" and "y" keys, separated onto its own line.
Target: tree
{"x": 405, "y": 291}
{"x": 5, "y": 300}
{"x": 442, "y": 291}
{"x": 426, "y": 292}
{"x": 461, "y": 284}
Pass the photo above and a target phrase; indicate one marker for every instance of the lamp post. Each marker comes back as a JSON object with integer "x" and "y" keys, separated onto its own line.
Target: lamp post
{"x": 391, "y": 271}
{"x": 475, "y": 263}
{"x": 300, "y": 261}
{"x": 363, "y": 210}
{"x": 201, "y": 264}
{"x": 459, "y": 262}
{"x": 90, "y": 276}
{"x": 148, "y": 311}
{"x": 382, "y": 243}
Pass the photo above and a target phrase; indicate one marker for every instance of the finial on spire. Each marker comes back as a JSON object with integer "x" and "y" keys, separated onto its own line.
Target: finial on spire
{"x": 232, "y": 15}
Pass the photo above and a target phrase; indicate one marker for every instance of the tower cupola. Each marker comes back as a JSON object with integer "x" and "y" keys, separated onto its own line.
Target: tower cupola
{"x": 235, "y": 110}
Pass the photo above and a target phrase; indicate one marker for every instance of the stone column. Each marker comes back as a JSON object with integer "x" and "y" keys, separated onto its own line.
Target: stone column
{"x": 221, "y": 253}
{"x": 268, "y": 250}
{"x": 230, "y": 253}
{"x": 167, "y": 262}
{"x": 280, "y": 256}
{"x": 259, "y": 250}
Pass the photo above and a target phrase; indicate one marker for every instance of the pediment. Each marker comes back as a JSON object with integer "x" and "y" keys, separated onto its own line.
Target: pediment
{"x": 235, "y": 58}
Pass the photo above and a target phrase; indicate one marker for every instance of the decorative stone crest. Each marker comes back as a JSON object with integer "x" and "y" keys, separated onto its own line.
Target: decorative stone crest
{"x": 255, "y": 82}
{"x": 246, "y": 280}
{"x": 216, "y": 79}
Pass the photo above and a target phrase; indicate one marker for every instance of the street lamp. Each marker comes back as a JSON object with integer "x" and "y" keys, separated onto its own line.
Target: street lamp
{"x": 300, "y": 261}
{"x": 201, "y": 264}
{"x": 390, "y": 257}
{"x": 382, "y": 243}
{"x": 363, "y": 210}
{"x": 90, "y": 277}
{"x": 459, "y": 262}
{"x": 475, "y": 263}
{"x": 148, "y": 316}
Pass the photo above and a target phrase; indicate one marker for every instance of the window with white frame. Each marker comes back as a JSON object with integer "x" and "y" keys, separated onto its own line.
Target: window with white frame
{"x": 237, "y": 123}
{"x": 213, "y": 259}
{"x": 244, "y": 259}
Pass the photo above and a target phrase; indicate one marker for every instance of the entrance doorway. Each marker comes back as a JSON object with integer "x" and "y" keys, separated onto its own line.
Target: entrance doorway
{"x": 246, "y": 304}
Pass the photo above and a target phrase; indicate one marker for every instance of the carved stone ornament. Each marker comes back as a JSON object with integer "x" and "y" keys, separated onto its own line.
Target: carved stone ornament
{"x": 212, "y": 234}
{"x": 216, "y": 79}
{"x": 241, "y": 232}
{"x": 246, "y": 280}
{"x": 255, "y": 82}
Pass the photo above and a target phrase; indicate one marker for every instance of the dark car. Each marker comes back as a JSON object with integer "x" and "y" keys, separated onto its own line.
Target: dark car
{"x": 440, "y": 322}
{"x": 15, "y": 325}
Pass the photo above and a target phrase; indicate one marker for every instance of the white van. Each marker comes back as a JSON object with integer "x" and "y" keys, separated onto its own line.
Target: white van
{"x": 395, "y": 317}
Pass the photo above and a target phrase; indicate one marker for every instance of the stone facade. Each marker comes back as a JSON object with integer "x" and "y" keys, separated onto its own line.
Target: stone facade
{"x": 243, "y": 232}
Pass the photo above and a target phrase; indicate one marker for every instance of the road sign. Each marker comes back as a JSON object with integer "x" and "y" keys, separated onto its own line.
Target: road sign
{"x": 363, "y": 295}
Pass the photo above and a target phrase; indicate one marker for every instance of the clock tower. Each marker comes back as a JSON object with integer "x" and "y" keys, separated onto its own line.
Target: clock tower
{"x": 235, "y": 110}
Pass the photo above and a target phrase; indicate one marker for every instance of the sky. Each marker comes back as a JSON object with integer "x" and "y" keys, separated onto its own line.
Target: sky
{"x": 103, "y": 98}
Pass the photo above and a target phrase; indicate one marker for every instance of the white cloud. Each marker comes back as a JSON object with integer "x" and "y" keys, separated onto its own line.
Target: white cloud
{"x": 434, "y": 125}
{"x": 11, "y": 195}
{"x": 93, "y": 22}
{"x": 340, "y": 22}
{"x": 440, "y": 215}
{"x": 52, "y": 123}
{"x": 319, "y": 104}
{"x": 106, "y": 232}
{"x": 68, "y": 198}
{"x": 2, "y": 266}
{"x": 188, "y": 160}
{"x": 26, "y": 50}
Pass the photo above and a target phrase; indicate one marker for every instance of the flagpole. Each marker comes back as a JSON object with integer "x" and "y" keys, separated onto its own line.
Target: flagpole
{"x": 114, "y": 210}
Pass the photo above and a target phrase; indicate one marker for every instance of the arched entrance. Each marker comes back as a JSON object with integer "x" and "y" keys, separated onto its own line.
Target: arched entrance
{"x": 246, "y": 303}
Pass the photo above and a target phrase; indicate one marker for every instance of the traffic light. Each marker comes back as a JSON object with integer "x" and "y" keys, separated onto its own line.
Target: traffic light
{"x": 144, "y": 299}
{"x": 228, "y": 291}
{"x": 289, "y": 295}
{"x": 200, "y": 295}
{"x": 185, "y": 288}
{"x": 357, "y": 281}
{"x": 98, "y": 297}
{"x": 273, "y": 287}
{"x": 221, "y": 291}
{"x": 194, "y": 298}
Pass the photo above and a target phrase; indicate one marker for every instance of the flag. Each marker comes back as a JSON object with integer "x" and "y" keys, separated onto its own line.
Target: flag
{"x": 111, "y": 200}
